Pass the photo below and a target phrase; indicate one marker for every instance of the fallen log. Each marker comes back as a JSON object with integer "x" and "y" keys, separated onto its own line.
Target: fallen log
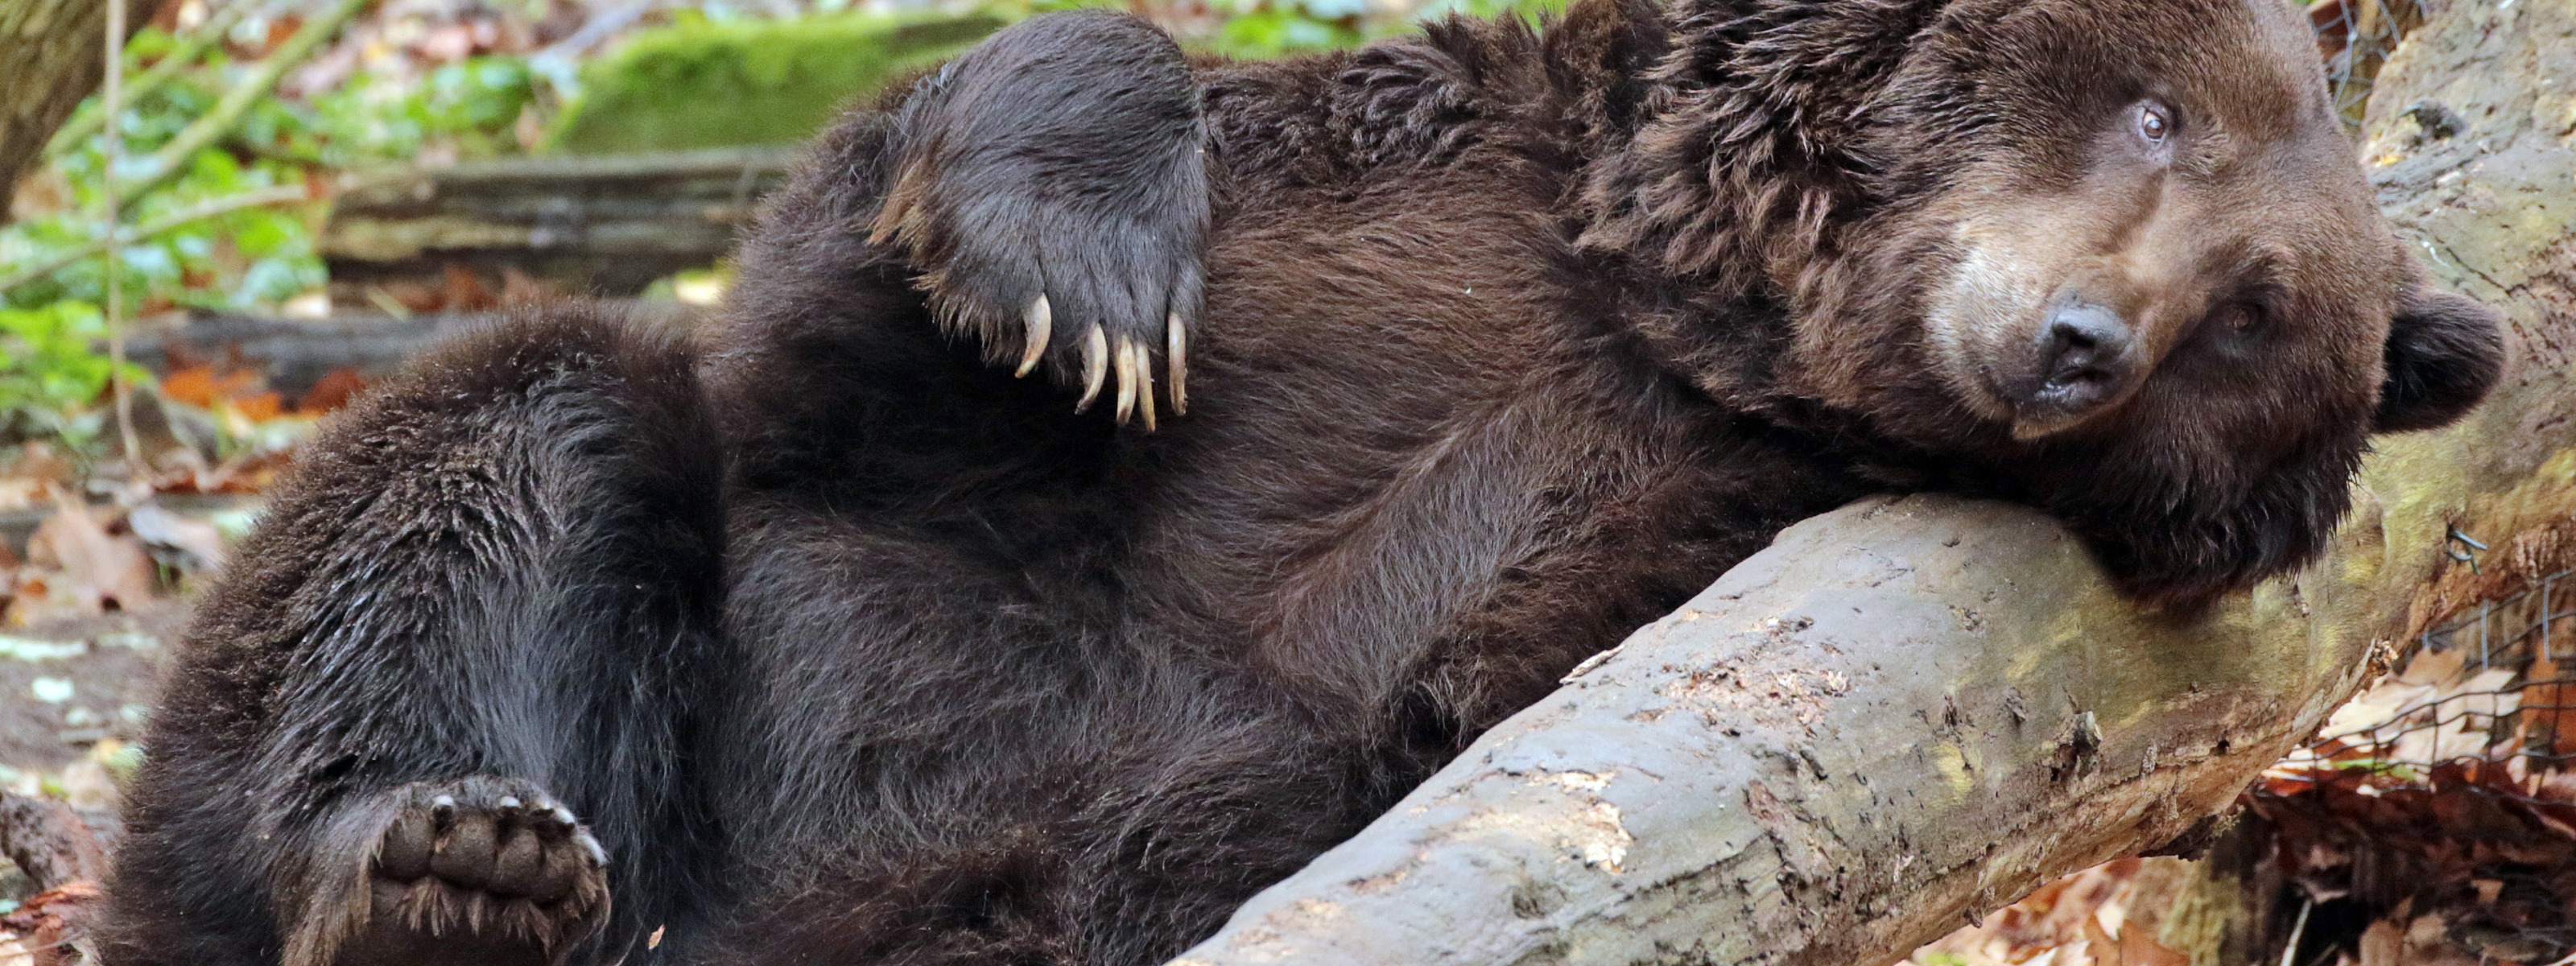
{"x": 294, "y": 355}
{"x": 582, "y": 224}
{"x": 1910, "y": 711}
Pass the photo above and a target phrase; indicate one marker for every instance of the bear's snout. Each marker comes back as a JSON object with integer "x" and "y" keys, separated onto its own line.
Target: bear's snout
{"x": 2080, "y": 361}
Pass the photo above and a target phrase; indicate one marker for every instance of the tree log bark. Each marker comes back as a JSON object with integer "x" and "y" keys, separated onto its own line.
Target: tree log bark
{"x": 48, "y": 841}
{"x": 56, "y": 53}
{"x": 1912, "y": 710}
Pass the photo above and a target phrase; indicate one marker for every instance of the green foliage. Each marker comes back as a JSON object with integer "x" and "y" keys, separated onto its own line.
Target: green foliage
{"x": 1272, "y": 28}
{"x": 703, "y": 83}
{"x": 245, "y": 260}
{"x": 51, "y": 379}
{"x": 369, "y": 122}
{"x": 252, "y": 259}
{"x": 1258, "y": 29}
{"x": 1527, "y": 9}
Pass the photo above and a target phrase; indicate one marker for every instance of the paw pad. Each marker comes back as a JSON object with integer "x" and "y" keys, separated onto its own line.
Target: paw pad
{"x": 483, "y": 870}
{"x": 509, "y": 847}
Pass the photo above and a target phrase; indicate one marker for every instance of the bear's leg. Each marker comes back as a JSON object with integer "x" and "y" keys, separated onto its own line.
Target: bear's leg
{"x": 1051, "y": 186}
{"x": 446, "y": 703}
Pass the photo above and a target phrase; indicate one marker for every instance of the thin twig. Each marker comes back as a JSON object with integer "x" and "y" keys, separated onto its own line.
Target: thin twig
{"x": 166, "y": 164}
{"x": 265, "y": 197}
{"x": 2296, "y": 929}
{"x": 191, "y": 46}
{"x": 114, "y": 106}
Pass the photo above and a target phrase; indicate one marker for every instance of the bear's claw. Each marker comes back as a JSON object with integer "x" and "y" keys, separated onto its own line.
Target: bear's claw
{"x": 1176, "y": 355}
{"x": 1135, "y": 381}
{"x": 1095, "y": 367}
{"x": 1040, "y": 321}
{"x": 1129, "y": 356}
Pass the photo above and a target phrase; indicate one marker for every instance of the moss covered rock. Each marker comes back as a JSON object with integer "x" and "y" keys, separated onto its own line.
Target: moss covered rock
{"x": 698, "y": 85}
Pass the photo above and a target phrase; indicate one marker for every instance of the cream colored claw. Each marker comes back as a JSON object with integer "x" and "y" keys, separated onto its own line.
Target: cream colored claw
{"x": 1041, "y": 324}
{"x": 1095, "y": 366}
{"x": 1144, "y": 383}
{"x": 1124, "y": 355}
{"x": 1176, "y": 356}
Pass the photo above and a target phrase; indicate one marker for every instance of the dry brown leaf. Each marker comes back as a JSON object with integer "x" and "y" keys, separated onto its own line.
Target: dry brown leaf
{"x": 2107, "y": 915}
{"x": 205, "y": 388}
{"x": 191, "y": 545}
{"x": 80, "y": 568}
{"x": 55, "y": 922}
{"x": 332, "y": 392}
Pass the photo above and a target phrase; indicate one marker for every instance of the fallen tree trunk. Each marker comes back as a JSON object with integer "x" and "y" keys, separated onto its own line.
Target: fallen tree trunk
{"x": 1913, "y": 710}
{"x": 602, "y": 225}
{"x": 297, "y": 354}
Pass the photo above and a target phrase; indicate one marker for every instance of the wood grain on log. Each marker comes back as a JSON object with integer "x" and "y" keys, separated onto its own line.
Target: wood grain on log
{"x": 295, "y": 354}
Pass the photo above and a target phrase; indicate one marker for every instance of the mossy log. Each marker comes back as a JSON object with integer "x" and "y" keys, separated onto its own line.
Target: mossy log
{"x": 1910, "y": 711}
{"x": 706, "y": 85}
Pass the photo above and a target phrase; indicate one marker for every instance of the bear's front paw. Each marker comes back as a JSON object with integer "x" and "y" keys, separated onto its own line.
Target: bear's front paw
{"x": 1052, "y": 186}
{"x": 482, "y": 870}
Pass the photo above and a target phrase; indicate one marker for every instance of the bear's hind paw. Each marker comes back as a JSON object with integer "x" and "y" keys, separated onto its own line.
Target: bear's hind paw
{"x": 482, "y": 870}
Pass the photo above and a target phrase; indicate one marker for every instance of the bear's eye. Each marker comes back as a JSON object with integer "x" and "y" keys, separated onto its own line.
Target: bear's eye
{"x": 2234, "y": 331}
{"x": 2248, "y": 317}
{"x": 2155, "y": 122}
{"x": 2242, "y": 322}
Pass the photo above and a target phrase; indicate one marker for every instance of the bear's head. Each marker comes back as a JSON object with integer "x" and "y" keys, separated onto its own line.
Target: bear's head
{"x": 2118, "y": 254}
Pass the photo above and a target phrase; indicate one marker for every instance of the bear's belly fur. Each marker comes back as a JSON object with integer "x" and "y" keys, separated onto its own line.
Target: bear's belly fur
{"x": 1186, "y": 673}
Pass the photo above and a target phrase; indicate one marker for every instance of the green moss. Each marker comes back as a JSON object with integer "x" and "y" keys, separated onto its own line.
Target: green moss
{"x": 701, "y": 85}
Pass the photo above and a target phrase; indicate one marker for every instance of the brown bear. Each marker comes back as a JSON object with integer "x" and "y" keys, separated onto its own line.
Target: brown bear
{"x": 1379, "y": 388}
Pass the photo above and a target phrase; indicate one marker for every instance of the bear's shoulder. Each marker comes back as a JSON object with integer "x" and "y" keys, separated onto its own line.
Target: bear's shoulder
{"x": 1439, "y": 99}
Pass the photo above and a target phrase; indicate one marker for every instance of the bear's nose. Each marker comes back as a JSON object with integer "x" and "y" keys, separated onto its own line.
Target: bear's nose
{"x": 2083, "y": 357}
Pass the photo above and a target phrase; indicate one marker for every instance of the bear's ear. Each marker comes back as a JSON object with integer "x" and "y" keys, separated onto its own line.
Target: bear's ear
{"x": 2444, "y": 353}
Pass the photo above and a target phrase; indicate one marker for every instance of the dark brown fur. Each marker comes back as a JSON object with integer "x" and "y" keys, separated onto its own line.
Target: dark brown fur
{"x": 1508, "y": 341}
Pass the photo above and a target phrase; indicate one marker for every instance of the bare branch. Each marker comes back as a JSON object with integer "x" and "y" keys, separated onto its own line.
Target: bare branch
{"x": 166, "y": 164}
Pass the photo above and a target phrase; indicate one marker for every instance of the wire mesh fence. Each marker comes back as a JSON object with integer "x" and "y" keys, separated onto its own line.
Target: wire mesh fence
{"x": 2355, "y": 37}
{"x": 2488, "y": 699}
